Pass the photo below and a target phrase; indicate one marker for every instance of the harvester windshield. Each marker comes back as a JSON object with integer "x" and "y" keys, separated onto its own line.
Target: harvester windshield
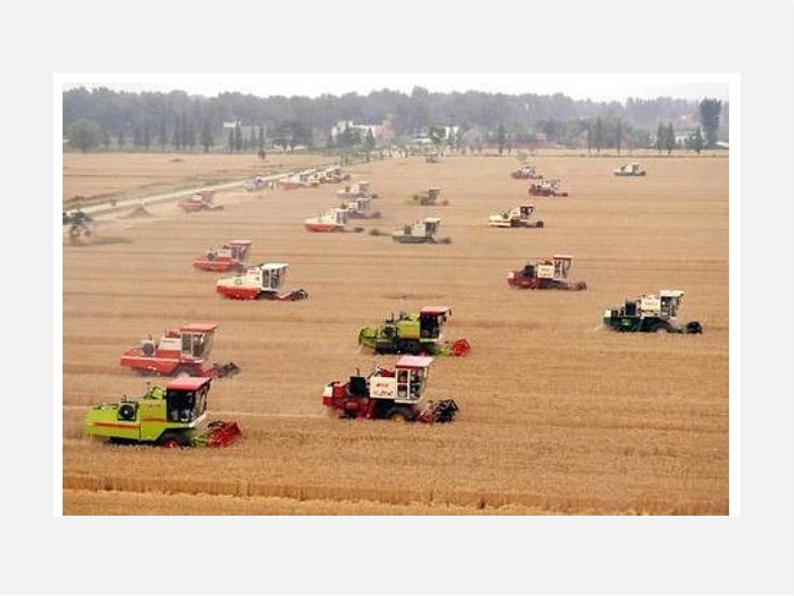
{"x": 197, "y": 345}
{"x": 186, "y": 404}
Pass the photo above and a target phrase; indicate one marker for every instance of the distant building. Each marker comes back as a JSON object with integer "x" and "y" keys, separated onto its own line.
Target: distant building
{"x": 363, "y": 129}
{"x": 246, "y": 130}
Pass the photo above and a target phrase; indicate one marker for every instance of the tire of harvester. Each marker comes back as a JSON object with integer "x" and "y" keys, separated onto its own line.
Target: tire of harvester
{"x": 662, "y": 328}
{"x": 401, "y": 414}
{"x": 171, "y": 440}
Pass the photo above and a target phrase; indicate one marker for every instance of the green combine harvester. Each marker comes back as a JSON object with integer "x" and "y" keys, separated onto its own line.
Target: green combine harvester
{"x": 650, "y": 313}
{"x": 172, "y": 417}
{"x": 413, "y": 333}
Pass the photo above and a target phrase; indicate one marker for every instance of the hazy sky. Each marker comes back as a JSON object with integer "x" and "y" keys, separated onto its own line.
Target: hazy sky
{"x": 598, "y": 87}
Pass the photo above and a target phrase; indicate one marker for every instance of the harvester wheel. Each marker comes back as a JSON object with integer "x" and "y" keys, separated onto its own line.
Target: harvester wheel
{"x": 171, "y": 440}
{"x": 400, "y": 414}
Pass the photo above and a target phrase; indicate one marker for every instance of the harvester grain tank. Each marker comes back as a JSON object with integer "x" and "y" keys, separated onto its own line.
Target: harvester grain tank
{"x": 547, "y": 188}
{"x": 548, "y": 273}
{"x": 650, "y": 313}
{"x": 413, "y": 333}
{"x": 421, "y": 232}
{"x": 231, "y": 257}
{"x": 264, "y": 281}
{"x": 390, "y": 394}
{"x": 517, "y": 217}
{"x": 181, "y": 352}
{"x": 631, "y": 169}
{"x": 172, "y": 417}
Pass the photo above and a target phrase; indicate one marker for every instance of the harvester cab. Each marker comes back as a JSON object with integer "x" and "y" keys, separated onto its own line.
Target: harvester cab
{"x": 650, "y": 313}
{"x": 391, "y": 395}
{"x": 170, "y": 417}
{"x": 545, "y": 274}
{"x": 265, "y": 281}
{"x": 180, "y": 352}
{"x": 413, "y": 333}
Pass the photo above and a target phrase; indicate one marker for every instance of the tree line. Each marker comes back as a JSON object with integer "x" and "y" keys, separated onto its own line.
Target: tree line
{"x": 176, "y": 120}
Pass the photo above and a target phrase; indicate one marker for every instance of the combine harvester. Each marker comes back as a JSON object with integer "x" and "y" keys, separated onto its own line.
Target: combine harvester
{"x": 631, "y": 169}
{"x": 526, "y": 172}
{"x": 256, "y": 183}
{"x": 546, "y": 188}
{"x": 428, "y": 198}
{"x": 260, "y": 282}
{"x": 333, "y": 220}
{"x": 390, "y": 395}
{"x": 517, "y": 217}
{"x": 360, "y": 190}
{"x": 545, "y": 274}
{"x": 201, "y": 201}
{"x": 182, "y": 352}
{"x": 421, "y": 232}
{"x": 172, "y": 417}
{"x": 413, "y": 333}
{"x": 650, "y": 313}
{"x": 231, "y": 257}
{"x": 82, "y": 227}
{"x": 360, "y": 208}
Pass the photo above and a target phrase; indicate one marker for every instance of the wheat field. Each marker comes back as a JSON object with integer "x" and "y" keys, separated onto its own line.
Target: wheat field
{"x": 558, "y": 415}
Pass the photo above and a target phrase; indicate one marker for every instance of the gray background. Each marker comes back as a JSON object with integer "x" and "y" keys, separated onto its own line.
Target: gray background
{"x": 42, "y": 553}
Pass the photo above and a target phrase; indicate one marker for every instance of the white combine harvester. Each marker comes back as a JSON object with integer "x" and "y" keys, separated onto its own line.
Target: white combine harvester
{"x": 517, "y": 217}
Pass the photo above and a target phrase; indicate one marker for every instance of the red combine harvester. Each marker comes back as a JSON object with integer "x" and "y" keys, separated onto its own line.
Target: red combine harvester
{"x": 263, "y": 281}
{"x": 546, "y": 188}
{"x": 182, "y": 352}
{"x": 231, "y": 257}
{"x": 201, "y": 201}
{"x": 390, "y": 395}
{"x": 545, "y": 274}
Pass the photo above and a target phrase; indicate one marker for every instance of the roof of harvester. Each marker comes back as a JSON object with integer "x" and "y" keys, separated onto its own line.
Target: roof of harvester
{"x": 188, "y": 383}
{"x": 434, "y": 310}
{"x": 414, "y": 361}
{"x": 200, "y": 327}
{"x": 240, "y": 242}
